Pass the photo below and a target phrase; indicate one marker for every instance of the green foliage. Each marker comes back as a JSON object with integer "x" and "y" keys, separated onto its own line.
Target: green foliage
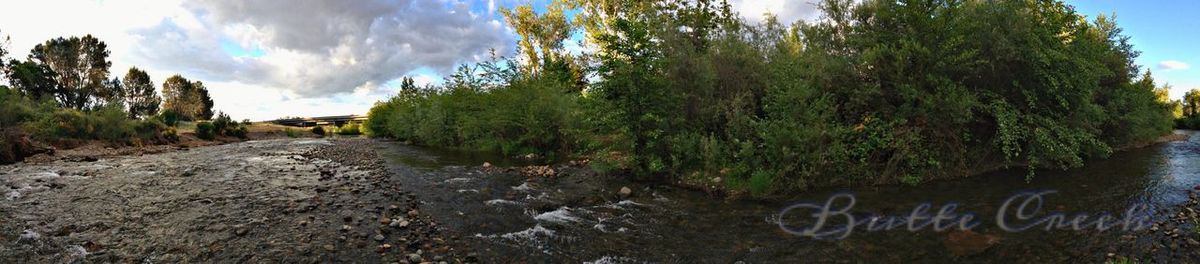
{"x": 79, "y": 68}
{"x": 188, "y": 99}
{"x": 206, "y": 130}
{"x": 170, "y": 117}
{"x": 291, "y": 133}
{"x": 139, "y": 94}
{"x": 222, "y": 125}
{"x": 877, "y": 92}
{"x": 349, "y": 129}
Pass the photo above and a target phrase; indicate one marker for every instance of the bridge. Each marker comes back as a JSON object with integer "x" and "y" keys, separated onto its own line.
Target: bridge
{"x": 321, "y": 121}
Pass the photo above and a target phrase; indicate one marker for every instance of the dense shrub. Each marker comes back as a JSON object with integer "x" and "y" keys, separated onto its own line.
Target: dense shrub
{"x": 319, "y": 131}
{"x": 169, "y": 117}
{"x": 222, "y": 125}
{"x": 513, "y": 116}
{"x": 206, "y": 130}
{"x": 349, "y": 129}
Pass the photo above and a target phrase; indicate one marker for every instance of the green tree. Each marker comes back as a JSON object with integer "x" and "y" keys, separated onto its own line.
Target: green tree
{"x": 33, "y": 79}
{"x": 1191, "y": 103}
{"x": 112, "y": 93}
{"x": 80, "y": 67}
{"x": 139, "y": 94}
{"x": 205, "y": 112}
{"x": 189, "y": 99}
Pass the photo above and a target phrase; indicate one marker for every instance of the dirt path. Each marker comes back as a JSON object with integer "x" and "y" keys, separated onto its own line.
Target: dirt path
{"x": 285, "y": 200}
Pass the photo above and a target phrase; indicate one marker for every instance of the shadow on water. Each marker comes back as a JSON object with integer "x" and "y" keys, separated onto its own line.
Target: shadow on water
{"x": 506, "y": 218}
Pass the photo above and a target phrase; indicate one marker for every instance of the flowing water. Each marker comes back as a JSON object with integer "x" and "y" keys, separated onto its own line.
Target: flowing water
{"x": 579, "y": 218}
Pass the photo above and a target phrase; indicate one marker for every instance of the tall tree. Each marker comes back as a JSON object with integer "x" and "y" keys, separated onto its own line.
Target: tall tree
{"x": 204, "y": 111}
{"x": 80, "y": 67}
{"x": 179, "y": 96}
{"x": 188, "y": 99}
{"x": 139, "y": 94}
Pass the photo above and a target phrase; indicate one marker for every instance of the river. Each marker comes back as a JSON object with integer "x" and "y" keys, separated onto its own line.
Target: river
{"x": 578, "y": 217}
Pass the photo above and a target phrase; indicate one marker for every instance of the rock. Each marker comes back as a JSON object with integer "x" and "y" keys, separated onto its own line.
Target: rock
{"x": 329, "y": 247}
{"x": 414, "y": 258}
{"x": 346, "y": 227}
{"x": 413, "y": 213}
{"x": 378, "y": 237}
{"x": 383, "y": 248}
{"x": 385, "y": 221}
{"x": 487, "y": 164}
{"x": 967, "y": 243}
{"x": 1193, "y": 242}
{"x": 625, "y": 192}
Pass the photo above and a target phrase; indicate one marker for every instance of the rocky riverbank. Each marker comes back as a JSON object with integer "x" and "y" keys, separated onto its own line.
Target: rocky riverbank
{"x": 282, "y": 200}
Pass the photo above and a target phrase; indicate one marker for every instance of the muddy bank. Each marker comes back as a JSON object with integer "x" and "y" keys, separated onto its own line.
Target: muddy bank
{"x": 284, "y": 200}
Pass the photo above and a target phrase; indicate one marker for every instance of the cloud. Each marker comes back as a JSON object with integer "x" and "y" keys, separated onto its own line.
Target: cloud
{"x": 787, "y": 11}
{"x": 319, "y": 48}
{"x": 1170, "y": 65}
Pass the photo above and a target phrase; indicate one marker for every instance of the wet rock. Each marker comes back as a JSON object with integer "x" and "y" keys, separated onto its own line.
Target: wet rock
{"x": 967, "y": 243}
{"x": 625, "y": 192}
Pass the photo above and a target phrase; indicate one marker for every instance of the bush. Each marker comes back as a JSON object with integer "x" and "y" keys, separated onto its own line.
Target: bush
{"x": 319, "y": 131}
{"x": 349, "y": 129}
{"x": 291, "y": 133}
{"x": 206, "y": 130}
{"x": 170, "y": 117}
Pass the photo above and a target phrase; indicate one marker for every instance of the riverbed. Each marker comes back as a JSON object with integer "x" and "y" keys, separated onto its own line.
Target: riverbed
{"x": 366, "y": 200}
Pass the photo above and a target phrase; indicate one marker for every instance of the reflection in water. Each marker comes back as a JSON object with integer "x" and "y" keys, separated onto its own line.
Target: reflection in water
{"x": 506, "y": 218}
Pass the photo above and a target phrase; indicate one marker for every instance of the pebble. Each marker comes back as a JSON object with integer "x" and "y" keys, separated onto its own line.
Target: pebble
{"x": 329, "y": 247}
{"x": 625, "y": 192}
{"x": 379, "y": 237}
{"x": 346, "y": 227}
{"x": 413, "y": 213}
{"x": 414, "y": 258}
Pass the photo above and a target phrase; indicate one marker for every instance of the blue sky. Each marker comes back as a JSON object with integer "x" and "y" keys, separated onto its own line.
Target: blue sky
{"x": 1163, "y": 31}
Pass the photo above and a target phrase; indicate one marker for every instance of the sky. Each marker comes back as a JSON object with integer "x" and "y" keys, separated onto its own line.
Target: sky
{"x": 266, "y": 59}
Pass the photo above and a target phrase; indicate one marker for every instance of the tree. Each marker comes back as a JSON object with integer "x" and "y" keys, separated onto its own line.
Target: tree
{"x": 540, "y": 43}
{"x": 111, "y": 93}
{"x": 1191, "y": 103}
{"x": 205, "y": 111}
{"x": 80, "y": 67}
{"x": 3, "y": 49}
{"x": 139, "y": 94}
{"x": 33, "y": 79}
{"x": 189, "y": 99}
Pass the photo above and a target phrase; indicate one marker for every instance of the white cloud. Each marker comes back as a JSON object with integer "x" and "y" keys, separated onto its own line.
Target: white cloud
{"x": 315, "y": 57}
{"x": 1171, "y": 65}
{"x": 787, "y": 11}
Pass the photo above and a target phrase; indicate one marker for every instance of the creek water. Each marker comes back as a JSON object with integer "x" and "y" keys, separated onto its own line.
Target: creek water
{"x": 506, "y": 218}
